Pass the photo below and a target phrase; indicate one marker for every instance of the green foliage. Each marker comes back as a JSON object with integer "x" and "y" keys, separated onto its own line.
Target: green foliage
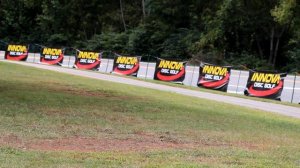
{"x": 283, "y": 12}
{"x": 248, "y": 60}
{"x": 294, "y": 59}
{"x": 179, "y": 29}
{"x": 116, "y": 42}
{"x": 210, "y": 56}
{"x": 137, "y": 41}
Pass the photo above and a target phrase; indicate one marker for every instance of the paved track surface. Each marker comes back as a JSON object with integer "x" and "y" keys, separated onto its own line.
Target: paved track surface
{"x": 265, "y": 106}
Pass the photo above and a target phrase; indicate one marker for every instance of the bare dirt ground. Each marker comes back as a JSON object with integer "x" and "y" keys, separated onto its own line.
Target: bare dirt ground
{"x": 87, "y": 144}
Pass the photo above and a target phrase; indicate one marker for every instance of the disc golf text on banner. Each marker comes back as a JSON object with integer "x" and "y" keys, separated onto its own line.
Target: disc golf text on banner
{"x": 126, "y": 65}
{"x": 16, "y": 52}
{"x": 265, "y": 84}
{"x": 214, "y": 77}
{"x": 52, "y": 56}
{"x": 167, "y": 70}
{"x": 87, "y": 60}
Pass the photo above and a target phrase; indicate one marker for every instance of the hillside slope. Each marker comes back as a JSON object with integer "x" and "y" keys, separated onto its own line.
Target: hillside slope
{"x": 254, "y": 103}
{"x": 53, "y": 119}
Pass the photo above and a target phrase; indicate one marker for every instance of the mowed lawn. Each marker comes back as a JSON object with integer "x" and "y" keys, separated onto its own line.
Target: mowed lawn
{"x": 50, "y": 119}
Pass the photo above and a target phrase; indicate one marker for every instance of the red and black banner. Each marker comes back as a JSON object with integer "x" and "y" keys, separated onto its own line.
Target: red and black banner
{"x": 214, "y": 77}
{"x": 172, "y": 71}
{"x": 52, "y": 56}
{"x": 265, "y": 84}
{"x": 126, "y": 65}
{"x": 16, "y": 52}
{"x": 87, "y": 60}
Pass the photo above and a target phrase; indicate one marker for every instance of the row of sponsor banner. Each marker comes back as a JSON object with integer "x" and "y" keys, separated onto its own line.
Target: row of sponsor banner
{"x": 260, "y": 83}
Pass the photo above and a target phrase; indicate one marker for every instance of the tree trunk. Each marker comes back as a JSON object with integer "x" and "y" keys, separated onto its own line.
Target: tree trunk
{"x": 276, "y": 51}
{"x": 122, "y": 15}
{"x": 271, "y": 46}
{"x": 277, "y": 46}
{"x": 237, "y": 41}
{"x": 261, "y": 54}
{"x": 144, "y": 10}
{"x": 85, "y": 33}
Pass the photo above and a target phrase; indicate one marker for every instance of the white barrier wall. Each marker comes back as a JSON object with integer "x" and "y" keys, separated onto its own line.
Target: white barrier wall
{"x": 237, "y": 83}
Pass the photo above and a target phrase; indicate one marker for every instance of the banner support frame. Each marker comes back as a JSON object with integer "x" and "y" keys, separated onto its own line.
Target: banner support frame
{"x": 293, "y": 93}
{"x": 115, "y": 54}
{"x": 34, "y": 57}
{"x": 107, "y": 62}
{"x": 28, "y": 45}
{"x": 193, "y": 75}
{"x": 69, "y": 61}
{"x": 147, "y": 67}
{"x": 237, "y": 86}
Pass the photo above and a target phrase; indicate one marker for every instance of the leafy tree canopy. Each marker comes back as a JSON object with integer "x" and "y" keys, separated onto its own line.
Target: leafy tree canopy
{"x": 257, "y": 34}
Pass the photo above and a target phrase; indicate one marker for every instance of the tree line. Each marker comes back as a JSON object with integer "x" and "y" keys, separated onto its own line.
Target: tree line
{"x": 255, "y": 34}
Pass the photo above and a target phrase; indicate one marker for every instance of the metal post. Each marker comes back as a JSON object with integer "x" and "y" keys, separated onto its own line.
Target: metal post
{"x": 294, "y": 88}
{"x": 147, "y": 67}
{"x": 33, "y": 57}
{"x": 3, "y": 44}
{"x": 237, "y": 87}
{"x": 107, "y": 62}
{"x": 192, "y": 76}
{"x": 28, "y": 48}
{"x": 69, "y": 61}
{"x": 112, "y": 69}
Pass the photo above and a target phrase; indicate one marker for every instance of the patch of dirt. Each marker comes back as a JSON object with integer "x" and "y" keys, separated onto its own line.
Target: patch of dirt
{"x": 81, "y": 92}
{"x": 70, "y": 89}
{"x": 85, "y": 144}
{"x": 11, "y": 140}
{"x": 140, "y": 142}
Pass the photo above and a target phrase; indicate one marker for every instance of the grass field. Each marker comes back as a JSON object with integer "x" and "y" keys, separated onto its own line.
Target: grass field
{"x": 49, "y": 119}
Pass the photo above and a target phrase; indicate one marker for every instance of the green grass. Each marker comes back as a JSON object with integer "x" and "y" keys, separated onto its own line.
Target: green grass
{"x": 37, "y": 105}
